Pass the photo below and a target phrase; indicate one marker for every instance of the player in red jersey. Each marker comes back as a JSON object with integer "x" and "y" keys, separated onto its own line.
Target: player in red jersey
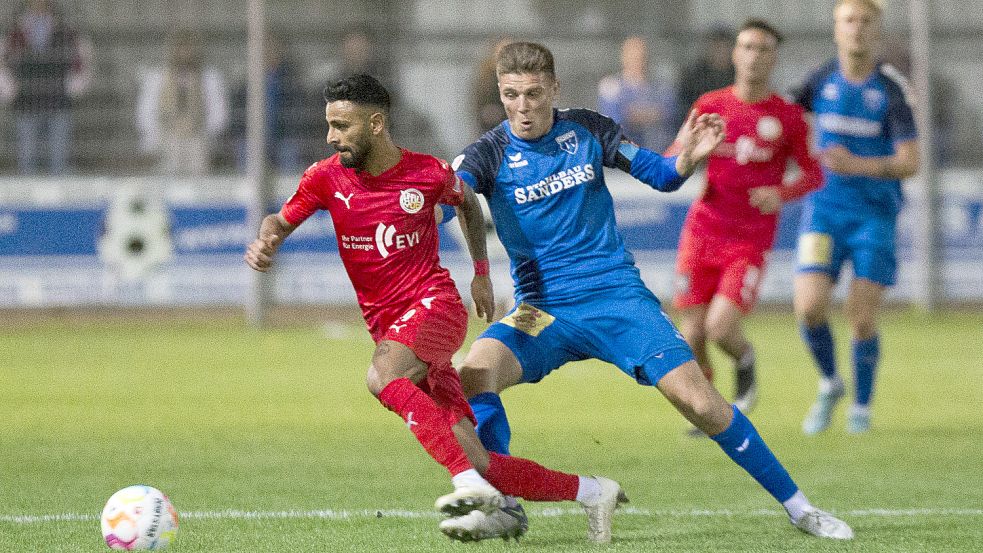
{"x": 730, "y": 228}
{"x": 382, "y": 201}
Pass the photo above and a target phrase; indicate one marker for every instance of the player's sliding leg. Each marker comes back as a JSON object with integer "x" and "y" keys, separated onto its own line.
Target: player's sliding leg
{"x": 702, "y": 405}
{"x": 862, "y": 308}
{"x": 518, "y": 477}
{"x": 723, "y": 327}
{"x": 491, "y": 367}
{"x": 391, "y": 378}
{"x": 813, "y": 292}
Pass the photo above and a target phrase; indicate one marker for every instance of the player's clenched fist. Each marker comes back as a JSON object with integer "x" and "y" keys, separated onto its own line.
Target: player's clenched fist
{"x": 259, "y": 254}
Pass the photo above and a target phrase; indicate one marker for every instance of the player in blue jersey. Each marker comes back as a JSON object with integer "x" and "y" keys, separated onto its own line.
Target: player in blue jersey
{"x": 578, "y": 293}
{"x": 866, "y": 133}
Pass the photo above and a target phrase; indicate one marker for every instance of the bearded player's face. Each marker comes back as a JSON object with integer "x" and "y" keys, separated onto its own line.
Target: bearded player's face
{"x": 350, "y": 131}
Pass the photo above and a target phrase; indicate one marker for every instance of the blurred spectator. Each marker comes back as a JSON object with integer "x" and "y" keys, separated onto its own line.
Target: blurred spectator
{"x": 643, "y": 106}
{"x": 44, "y": 64}
{"x": 182, "y": 108}
{"x": 361, "y": 54}
{"x": 712, "y": 70}
{"x": 284, "y": 111}
{"x": 487, "y": 105}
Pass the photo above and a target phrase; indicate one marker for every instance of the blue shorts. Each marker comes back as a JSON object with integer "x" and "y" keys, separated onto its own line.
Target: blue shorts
{"x": 625, "y": 327}
{"x": 828, "y": 237}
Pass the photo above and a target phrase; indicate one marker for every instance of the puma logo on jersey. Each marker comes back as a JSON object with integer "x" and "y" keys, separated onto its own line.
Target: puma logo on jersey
{"x": 342, "y": 197}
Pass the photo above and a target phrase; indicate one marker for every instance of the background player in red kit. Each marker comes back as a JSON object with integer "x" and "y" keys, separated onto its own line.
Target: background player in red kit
{"x": 382, "y": 200}
{"x": 730, "y": 228}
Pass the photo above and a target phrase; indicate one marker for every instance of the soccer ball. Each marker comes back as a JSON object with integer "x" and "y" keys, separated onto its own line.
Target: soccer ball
{"x": 138, "y": 518}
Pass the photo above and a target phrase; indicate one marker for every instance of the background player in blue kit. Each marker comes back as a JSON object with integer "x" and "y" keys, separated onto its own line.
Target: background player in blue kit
{"x": 866, "y": 132}
{"x": 578, "y": 293}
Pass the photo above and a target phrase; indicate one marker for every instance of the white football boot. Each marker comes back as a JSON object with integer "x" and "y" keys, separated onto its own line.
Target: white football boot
{"x": 823, "y": 525}
{"x": 465, "y": 499}
{"x": 507, "y": 522}
{"x": 821, "y": 413}
{"x": 600, "y": 511}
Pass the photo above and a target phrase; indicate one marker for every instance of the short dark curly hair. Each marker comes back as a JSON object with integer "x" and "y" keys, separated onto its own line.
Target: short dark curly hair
{"x": 359, "y": 89}
{"x": 762, "y": 25}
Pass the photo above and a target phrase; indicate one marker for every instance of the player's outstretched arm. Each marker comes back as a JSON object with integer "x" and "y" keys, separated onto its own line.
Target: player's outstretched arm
{"x": 472, "y": 222}
{"x": 697, "y": 138}
{"x": 272, "y": 232}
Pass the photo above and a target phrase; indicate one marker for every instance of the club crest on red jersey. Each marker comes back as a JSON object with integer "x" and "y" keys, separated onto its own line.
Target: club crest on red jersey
{"x": 769, "y": 128}
{"x": 411, "y": 200}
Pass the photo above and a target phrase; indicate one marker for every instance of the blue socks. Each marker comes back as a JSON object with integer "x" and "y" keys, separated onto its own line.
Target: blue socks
{"x": 866, "y": 353}
{"x": 820, "y": 342}
{"x": 493, "y": 426}
{"x": 741, "y": 442}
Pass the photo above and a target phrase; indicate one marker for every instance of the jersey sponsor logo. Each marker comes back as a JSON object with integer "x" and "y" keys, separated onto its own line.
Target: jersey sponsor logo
{"x": 363, "y": 243}
{"x": 342, "y": 197}
{"x": 516, "y": 161}
{"x": 457, "y": 162}
{"x": 850, "y": 126}
{"x": 529, "y": 319}
{"x": 387, "y": 240}
{"x": 555, "y": 183}
{"x": 744, "y": 150}
{"x": 831, "y": 92}
{"x": 411, "y": 200}
{"x": 568, "y": 142}
{"x": 769, "y": 128}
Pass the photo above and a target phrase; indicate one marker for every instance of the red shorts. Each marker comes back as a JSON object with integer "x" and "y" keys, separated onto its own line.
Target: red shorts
{"x": 434, "y": 328}
{"x": 709, "y": 266}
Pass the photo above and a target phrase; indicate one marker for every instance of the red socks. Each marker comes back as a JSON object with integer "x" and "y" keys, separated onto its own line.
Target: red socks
{"x": 429, "y": 423}
{"x": 432, "y": 424}
{"x": 529, "y": 480}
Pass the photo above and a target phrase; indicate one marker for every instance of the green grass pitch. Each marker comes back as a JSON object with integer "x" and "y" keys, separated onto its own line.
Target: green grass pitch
{"x": 269, "y": 442}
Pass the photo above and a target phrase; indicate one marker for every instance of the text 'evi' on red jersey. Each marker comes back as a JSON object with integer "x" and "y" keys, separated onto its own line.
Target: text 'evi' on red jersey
{"x": 385, "y": 227}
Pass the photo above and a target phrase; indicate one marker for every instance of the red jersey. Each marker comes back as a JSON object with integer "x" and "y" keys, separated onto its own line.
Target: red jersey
{"x": 760, "y": 139}
{"x": 385, "y": 226}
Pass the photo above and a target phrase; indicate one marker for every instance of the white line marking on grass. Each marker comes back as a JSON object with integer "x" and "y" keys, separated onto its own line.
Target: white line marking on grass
{"x": 335, "y": 514}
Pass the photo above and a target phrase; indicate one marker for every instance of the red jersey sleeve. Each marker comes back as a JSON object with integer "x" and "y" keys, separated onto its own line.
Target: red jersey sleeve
{"x": 811, "y": 177}
{"x": 453, "y": 192}
{"x": 305, "y": 201}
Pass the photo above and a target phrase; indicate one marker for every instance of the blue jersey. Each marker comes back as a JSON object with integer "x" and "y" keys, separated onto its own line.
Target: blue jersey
{"x": 551, "y": 207}
{"x": 868, "y": 119}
